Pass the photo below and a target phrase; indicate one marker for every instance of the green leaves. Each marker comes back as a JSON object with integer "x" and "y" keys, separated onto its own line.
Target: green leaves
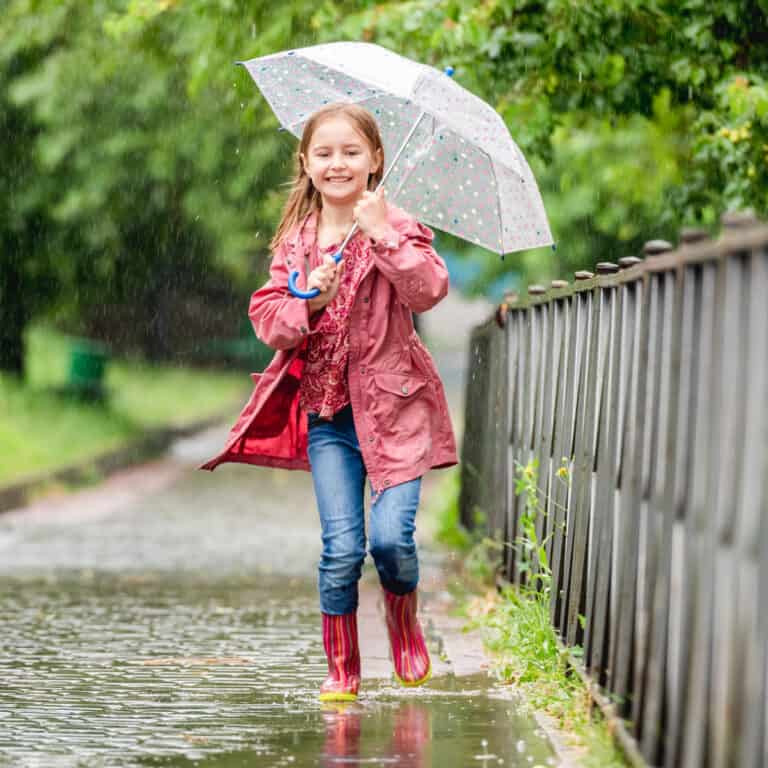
{"x": 131, "y": 131}
{"x": 614, "y": 104}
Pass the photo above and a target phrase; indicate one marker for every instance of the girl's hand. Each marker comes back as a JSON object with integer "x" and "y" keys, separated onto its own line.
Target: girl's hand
{"x": 371, "y": 214}
{"x": 326, "y": 278}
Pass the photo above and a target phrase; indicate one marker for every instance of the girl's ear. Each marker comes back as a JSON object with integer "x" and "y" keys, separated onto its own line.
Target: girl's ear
{"x": 378, "y": 160}
{"x": 303, "y": 161}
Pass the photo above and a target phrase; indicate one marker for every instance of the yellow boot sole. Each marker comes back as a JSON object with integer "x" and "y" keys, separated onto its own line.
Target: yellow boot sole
{"x": 415, "y": 683}
{"x": 338, "y": 697}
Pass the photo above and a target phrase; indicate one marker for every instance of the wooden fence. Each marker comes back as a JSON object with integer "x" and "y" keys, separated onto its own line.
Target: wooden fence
{"x": 651, "y": 379}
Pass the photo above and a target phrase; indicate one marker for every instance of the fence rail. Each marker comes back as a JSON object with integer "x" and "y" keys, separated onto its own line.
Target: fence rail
{"x": 651, "y": 379}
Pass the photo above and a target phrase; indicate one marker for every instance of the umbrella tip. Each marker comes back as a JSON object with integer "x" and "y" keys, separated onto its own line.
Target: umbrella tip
{"x": 238, "y": 63}
{"x": 449, "y": 71}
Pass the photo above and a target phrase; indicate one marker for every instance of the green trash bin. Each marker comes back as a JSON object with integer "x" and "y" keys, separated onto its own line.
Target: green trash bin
{"x": 88, "y": 361}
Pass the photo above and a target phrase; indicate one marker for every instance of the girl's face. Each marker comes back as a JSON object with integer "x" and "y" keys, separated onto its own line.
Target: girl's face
{"x": 339, "y": 160}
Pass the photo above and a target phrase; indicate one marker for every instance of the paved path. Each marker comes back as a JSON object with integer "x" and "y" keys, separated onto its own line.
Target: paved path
{"x": 169, "y": 617}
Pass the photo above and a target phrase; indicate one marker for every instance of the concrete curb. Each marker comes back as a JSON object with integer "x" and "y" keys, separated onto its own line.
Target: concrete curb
{"x": 151, "y": 444}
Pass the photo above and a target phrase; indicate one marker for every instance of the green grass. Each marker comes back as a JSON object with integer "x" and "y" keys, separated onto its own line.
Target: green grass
{"x": 515, "y": 626}
{"x": 516, "y": 629}
{"x": 41, "y": 430}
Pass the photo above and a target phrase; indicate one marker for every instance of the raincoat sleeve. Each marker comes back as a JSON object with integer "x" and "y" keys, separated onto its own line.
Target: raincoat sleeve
{"x": 279, "y": 319}
{"x": 408, "y": 260}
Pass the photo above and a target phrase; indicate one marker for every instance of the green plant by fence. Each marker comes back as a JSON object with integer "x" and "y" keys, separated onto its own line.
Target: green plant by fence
{"x": 645, "y": 386}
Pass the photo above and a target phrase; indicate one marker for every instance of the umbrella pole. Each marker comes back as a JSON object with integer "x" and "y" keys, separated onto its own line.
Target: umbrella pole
{"x": 295, "y": 290}
{"x": 399, "y": 152}
{"x": 401, "y": 148}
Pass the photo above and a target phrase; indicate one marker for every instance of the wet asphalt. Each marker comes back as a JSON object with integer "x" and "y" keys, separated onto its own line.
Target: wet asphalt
{"x": 169, "y": 617}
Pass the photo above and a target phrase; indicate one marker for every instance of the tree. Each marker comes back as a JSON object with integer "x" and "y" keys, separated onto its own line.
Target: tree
{"x": 637, "y": 117}
{"x": 27, "y": 277}
{"x": 155, "y": 163}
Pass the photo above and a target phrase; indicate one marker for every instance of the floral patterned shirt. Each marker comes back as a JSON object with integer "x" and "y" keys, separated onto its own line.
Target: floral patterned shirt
{"x": 323, "y": 388}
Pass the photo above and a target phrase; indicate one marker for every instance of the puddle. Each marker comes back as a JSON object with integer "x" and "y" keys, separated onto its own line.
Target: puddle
{"x": 185, "y": 631}
{"x": 103, "y": 670}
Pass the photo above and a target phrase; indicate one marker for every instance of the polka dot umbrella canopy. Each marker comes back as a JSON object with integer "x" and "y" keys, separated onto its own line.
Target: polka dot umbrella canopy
{"x": 450, "y": 160}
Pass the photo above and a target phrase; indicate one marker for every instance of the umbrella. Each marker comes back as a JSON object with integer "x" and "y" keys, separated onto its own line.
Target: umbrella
{"x": 449, "y": 158}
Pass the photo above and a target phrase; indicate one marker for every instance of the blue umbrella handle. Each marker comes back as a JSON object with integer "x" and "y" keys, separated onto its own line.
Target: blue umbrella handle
{"x": 297, "y": 292}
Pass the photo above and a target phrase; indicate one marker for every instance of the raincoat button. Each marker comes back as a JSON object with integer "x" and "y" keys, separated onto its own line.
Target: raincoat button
{"x": 370, "y": 438}
{"x": 386, "y": 483}
{"x": 362, "y": 370}
{"x": 404, "y": 389}
{"x": 366, "y": 300}
{"x": 303, "y": 329}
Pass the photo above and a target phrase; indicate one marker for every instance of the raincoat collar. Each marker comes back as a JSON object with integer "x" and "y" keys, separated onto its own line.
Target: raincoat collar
{"x": 304, "y": 233}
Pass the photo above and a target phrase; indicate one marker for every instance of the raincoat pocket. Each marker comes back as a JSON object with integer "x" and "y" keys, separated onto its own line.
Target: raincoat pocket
{"x": 400, "y": 384}
{"x": 401, "y": 413}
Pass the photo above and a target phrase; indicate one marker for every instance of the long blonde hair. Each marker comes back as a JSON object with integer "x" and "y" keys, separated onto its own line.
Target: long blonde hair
{"x": 303, "y": 197}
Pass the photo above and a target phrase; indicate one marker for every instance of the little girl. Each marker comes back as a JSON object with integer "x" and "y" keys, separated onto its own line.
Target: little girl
{"x": 351, "y": 391}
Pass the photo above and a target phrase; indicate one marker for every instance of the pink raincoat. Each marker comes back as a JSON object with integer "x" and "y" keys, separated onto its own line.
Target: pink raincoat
{"x": 398, "y": 402}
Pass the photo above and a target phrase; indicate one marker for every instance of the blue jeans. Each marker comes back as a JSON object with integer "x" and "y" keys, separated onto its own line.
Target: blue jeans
{"x": 338, "y": 474}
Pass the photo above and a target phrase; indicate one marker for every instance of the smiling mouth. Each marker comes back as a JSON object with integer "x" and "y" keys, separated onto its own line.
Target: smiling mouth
{"x": 339, "y": 179}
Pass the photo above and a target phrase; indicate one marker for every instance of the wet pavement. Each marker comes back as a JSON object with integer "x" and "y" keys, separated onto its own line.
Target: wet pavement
{"x": 169, "y": 617}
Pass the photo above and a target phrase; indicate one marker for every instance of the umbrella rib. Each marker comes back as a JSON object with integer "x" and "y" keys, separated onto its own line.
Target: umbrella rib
{"x": 291, "y": 125}
{"x": 498, "y": 204}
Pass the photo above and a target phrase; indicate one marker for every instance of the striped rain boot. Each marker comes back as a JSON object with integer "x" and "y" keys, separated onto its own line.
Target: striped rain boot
{"x": 343, "y": 652}
{"x": 409, "y": 650}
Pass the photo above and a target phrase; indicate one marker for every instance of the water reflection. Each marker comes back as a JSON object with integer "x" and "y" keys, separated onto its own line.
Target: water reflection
{"x": 411, "y": 735}
{"x": 342, "y": 733}
{"x": 153, "y": 637}
{"x": 408, "y": 746}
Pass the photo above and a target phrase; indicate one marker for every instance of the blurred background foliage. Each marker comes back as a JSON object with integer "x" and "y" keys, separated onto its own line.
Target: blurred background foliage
{"x": 142, "y": 173}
